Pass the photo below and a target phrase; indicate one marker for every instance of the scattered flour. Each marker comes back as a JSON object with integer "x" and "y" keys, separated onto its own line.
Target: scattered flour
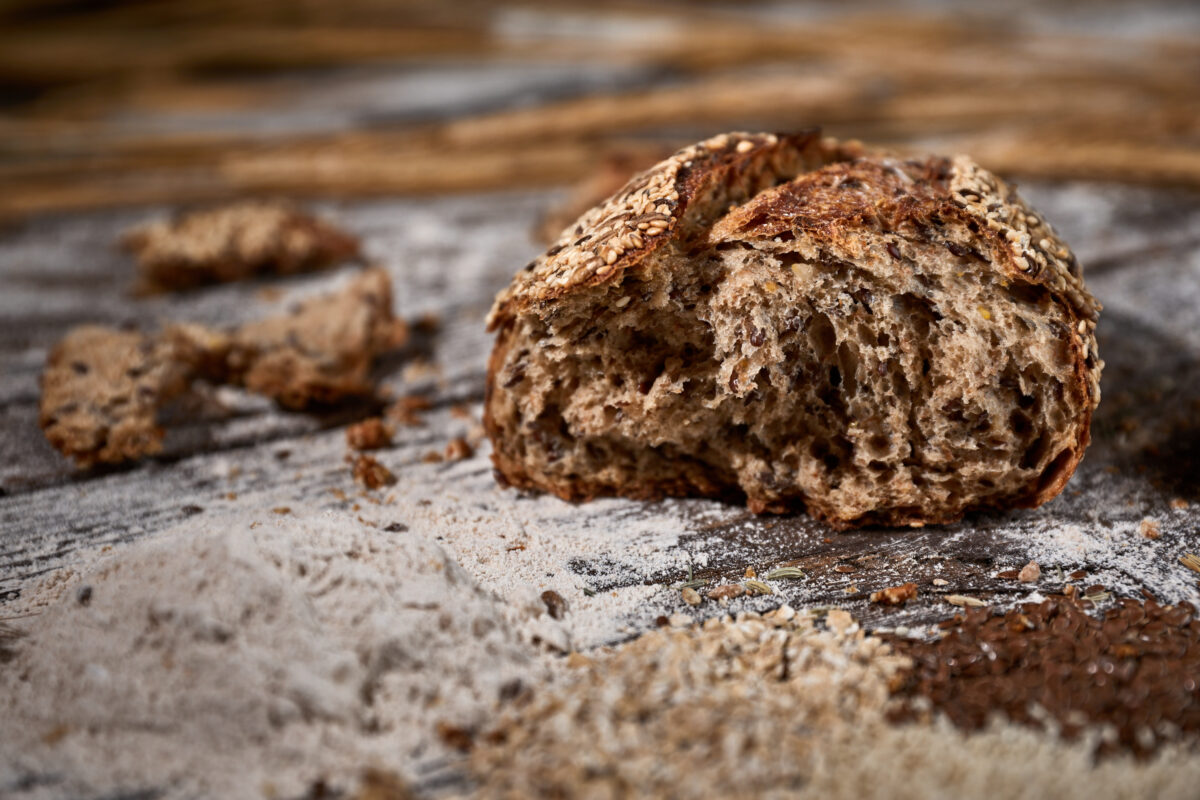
{"x": 1116, "y": 554}
{"x": 228, "y": 660}
{"x": 545, "y": 541}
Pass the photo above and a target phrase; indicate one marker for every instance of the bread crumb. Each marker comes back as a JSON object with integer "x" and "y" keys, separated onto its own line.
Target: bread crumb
{"x": 369, "y": 434}
{"x": 458, "y": 449}
{"x": 691, "y": 596}
{"x": 455, "y": 736}
{"x": 379, "y": 784}
{"x": 317, "y": 354}
{"x": 556, "y": 607}
{"x": 1150, "y": 528}
{"x": 233, "y": 242}
{"x": 405, "y": 410}
{"x": 895, "y": 595}
{"x": 940, "y": 582}
{"x": 726, "y": 591}
{"x": 1178, "y": 503}
{"x": 428, "y": 322}
{"x": 1029, "y": 573}
{"x": 371, "y": 473}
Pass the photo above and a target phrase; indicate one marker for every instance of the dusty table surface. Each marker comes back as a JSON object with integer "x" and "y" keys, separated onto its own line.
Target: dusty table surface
{"x": 448, "y": 256}
{"x": 496, "y": 103}
{"x": 534, "y": 95}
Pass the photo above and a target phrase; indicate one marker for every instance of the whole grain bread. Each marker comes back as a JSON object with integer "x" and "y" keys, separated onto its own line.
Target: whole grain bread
{"x": 233, "y": 242}
{"x": 799, "y": 323}
{"x": 103, "y": 388}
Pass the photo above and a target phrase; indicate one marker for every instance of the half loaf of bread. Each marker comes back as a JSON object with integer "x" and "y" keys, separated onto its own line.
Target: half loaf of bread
{"x": 798, "y": 323}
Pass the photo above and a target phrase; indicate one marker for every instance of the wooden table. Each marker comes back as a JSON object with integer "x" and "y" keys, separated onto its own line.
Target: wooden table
{"x": 449, "y": 253}
{"x": 62, "y": 270}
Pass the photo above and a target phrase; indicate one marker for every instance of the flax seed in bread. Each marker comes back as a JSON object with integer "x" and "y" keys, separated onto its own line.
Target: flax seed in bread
{"x": 102, "y": 390}
{"x": 799, "y": 323}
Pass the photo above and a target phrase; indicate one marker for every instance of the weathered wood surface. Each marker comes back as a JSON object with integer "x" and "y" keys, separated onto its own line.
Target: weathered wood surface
{"x": 544, "y": 83}
{"x": 398, "y": 122}
{"x": 448, "y": 256}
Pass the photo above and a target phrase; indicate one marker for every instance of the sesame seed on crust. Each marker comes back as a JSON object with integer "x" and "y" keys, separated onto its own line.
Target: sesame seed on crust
{"x": 662, "y": 204}
{"x": 679, "y": 198}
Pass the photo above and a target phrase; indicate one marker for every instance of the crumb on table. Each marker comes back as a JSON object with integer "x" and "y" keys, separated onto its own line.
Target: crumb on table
{"x": 233, "y": 242}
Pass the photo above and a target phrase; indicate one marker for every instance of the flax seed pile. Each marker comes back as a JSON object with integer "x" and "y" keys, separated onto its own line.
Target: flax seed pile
{"x": 1133, "y": 674}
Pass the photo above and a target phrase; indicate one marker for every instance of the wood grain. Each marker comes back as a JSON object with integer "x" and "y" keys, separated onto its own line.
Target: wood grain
{"x": 116, "y": 113}
{"x": 1143, "y": 456}
{"x": 1026, "y": 99}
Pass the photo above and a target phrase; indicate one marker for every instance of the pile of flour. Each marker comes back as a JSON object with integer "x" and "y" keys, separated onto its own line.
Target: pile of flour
{"x": 234, "y": 659}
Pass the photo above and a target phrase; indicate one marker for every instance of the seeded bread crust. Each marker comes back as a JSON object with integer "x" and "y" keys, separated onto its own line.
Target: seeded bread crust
{"x": 753, "y": 188}
{"x": 671, "y": 201}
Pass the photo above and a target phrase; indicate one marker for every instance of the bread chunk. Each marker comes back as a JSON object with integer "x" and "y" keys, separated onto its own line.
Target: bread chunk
{"x": 102, "y": 389}
{"x": 233, "y": 242}
{"x": 798, "y": 323}
{"x": 322, "y": 352}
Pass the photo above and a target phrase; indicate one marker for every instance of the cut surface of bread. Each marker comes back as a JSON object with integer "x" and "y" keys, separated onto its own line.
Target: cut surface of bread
{"x": 797, "y": 323}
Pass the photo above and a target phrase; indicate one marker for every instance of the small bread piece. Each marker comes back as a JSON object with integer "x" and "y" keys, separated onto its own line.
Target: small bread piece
{"x": 234, "y": 242}
{"x": 801, "y": 324}
{"x": 102, "y": 389}
{"x": 322, "y": 352}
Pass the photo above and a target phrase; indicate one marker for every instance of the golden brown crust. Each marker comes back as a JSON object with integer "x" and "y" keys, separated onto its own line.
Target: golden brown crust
{"x": 840, "y": 193}
{"x": 660, "y": 205}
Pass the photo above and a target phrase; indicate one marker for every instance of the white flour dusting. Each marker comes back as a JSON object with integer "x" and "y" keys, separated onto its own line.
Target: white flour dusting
{"x": 523, "y": 551}
{"x": 228, "y": 660}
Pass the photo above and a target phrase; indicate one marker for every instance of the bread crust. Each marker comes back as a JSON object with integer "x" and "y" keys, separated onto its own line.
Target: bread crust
{"x": 653, "y": 208}
{"x": 932, "y": 200}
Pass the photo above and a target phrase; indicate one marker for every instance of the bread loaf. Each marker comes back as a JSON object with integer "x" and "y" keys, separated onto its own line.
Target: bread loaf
{"x": 798, "y": 323}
